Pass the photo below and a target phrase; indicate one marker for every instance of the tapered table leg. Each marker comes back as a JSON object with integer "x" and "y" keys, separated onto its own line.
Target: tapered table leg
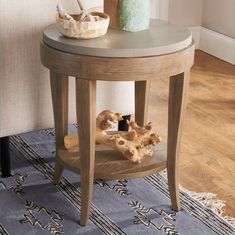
{"x": 141, "y": 101}
{"x": 86, "y": 115}
{"x": 5, "y": 156}
{"x": 177, "y": 103}
{"x": 59, "y": 93}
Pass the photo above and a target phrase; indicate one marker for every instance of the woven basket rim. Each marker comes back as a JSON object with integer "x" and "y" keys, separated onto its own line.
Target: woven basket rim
{"x": 94, "y": 13}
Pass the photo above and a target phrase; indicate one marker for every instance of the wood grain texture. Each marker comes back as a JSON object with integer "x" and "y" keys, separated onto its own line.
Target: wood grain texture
{"x": 59, "y": 93}
{"x": 58, "y": 171}
{"x": 111, "y": 164}
{"x": 207, "y": 156}
{"x": 142, "y": 89}
{"x": 121, "y": 44}
{"x": 86, "y": 115}
{"x": 177, "y": 101}
{"x": 88, "y": 69}
{"x": 117, "y": 69}
{"x": 111, "y": 8}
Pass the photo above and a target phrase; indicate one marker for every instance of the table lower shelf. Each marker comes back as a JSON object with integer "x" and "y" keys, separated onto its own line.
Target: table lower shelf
{"x": 110, "y": 164}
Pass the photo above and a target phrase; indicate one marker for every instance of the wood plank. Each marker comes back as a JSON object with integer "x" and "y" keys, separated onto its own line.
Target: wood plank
{"x": 59, "y": 93}
{"x": 111, "y": 164}
{"x": 86, "y": 115}
{"x": 207, "y": 156}
{"x": 141, "y": 101}
{"x": 177, "y": 103}
{"x": 108, "y": 68}
{"x": 111, "y": 8}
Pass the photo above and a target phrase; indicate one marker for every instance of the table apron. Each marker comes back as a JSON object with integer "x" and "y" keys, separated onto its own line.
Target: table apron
{"x": 117, "y": 69}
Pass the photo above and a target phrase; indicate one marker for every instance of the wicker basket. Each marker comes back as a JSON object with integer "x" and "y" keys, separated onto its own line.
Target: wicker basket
{"x": 84, "y": 30}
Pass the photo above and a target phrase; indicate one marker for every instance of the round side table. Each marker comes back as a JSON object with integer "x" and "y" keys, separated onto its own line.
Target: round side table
{"x": 163, "y": 50}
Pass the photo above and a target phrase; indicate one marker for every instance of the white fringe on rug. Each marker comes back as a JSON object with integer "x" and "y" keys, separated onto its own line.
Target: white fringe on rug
{"x": 209, "y": 200}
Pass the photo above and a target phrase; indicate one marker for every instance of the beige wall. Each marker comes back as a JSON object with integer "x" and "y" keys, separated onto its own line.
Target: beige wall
{"x": 219, "y": 16}
{"x": 25, "y": 100}
{"x": 185, "y": 12}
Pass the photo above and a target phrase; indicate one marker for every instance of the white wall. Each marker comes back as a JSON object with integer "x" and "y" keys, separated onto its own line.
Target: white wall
{"x": 185, "y": 12}
{"x": 159, "y": 9}
{"x": 92, "y": 3}
{"x": 212, "y": 23}
{"x": 216, "y": 15}
{"x": 219, "y": 16}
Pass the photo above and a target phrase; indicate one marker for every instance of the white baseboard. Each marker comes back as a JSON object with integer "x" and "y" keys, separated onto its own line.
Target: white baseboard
{"x": 214, "y": 43}
{"x": 217, "y": 45}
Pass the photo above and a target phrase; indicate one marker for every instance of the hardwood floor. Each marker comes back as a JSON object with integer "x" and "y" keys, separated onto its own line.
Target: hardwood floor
{"x": 207, "y": 160}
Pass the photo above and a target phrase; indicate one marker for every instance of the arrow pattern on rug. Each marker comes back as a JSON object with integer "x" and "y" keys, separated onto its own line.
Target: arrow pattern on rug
{"x": 54, "y": 226}
{"x": 206, "y": 216}
{"x": 150, "y": 217}
{"x": 17, "y": 186}
{"x": 120, "y": 186}
{"x": 105, "y": 224}
{"x": 71, "y": 193}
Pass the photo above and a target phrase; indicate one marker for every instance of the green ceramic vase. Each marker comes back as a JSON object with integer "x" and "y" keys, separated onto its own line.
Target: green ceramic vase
{"x": 134, "y": 15}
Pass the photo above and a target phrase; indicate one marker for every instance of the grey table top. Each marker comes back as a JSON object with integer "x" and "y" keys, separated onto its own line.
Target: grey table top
{"x": 161, "y": 38}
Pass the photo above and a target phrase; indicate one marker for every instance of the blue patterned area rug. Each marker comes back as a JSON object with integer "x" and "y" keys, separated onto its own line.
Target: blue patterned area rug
{"x": 31, "y": 204}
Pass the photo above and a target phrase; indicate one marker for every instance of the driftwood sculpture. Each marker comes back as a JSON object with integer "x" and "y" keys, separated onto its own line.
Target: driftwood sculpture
{"x": 134, "y": 144}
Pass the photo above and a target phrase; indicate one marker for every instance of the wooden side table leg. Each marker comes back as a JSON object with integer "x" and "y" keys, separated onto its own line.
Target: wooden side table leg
{"x": 141, "y": 101}
{"x": 86, "y": 115}
{"x": 59, "y": 93}
{"x": 177, "y": 103}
